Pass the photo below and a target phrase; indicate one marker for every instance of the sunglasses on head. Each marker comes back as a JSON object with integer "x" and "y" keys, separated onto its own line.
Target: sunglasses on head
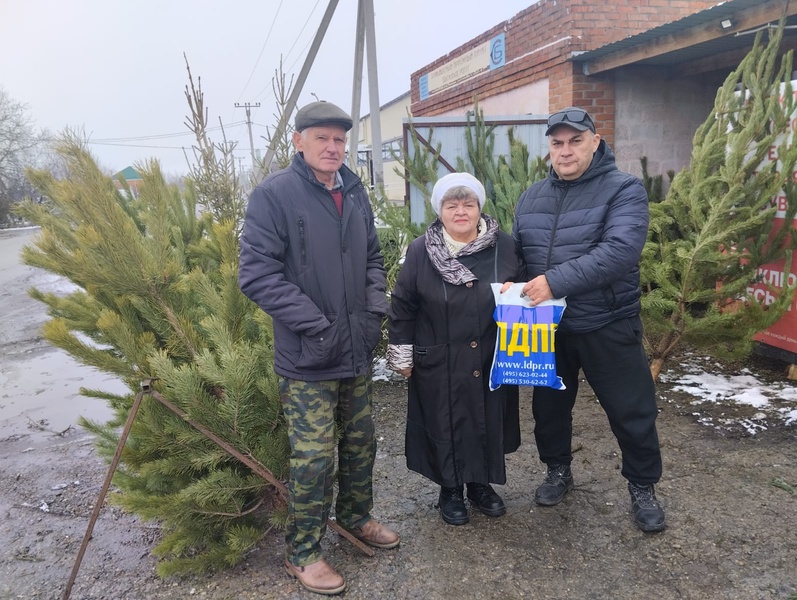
{"x": 574, "y": 115}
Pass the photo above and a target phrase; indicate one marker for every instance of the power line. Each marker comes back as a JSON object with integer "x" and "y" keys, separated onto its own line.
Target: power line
{"x": 165, "y": 135}
{"x": 134, "y": 145}
{"x": 310, "y": 16}
{"x": 301, "y": 31}
{"x": 259, "y": 56}
{"x": 290, "y": 104}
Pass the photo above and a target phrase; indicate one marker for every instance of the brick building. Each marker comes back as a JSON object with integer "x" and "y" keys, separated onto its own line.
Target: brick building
{"x": 647, "y": 70}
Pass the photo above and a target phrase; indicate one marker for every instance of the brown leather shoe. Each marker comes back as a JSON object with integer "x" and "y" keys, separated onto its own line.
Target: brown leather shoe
{"x": 318, "y": 577}
{"x": 376, "y": 535}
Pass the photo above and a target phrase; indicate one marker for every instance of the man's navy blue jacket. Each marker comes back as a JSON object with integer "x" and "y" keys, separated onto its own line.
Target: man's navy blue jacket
{"x": 319, "y": 275}
{"x": 586, "y": 236}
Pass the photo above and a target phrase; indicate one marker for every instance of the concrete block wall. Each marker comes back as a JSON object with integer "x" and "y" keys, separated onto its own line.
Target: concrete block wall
{"x": 657, "y": 117}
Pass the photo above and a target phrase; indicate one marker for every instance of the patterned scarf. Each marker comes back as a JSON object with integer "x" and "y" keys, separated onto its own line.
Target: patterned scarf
{"x": 450, "y": 269}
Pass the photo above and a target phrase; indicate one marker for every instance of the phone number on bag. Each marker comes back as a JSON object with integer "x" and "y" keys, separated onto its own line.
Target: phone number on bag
{"x": 524, "y": 381}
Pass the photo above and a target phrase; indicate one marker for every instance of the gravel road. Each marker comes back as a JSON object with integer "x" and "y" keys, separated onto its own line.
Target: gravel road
{"x": 732, "y": 520}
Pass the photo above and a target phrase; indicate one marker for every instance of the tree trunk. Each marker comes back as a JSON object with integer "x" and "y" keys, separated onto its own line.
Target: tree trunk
{"x": 656, "y": 366}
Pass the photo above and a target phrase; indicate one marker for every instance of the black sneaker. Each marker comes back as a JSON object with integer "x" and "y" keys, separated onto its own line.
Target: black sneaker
{"x": 485, "y": 499}
{"x": 558, "y": 482}
{"x": 648, "y": 513}
{"x": 452, "y": 506}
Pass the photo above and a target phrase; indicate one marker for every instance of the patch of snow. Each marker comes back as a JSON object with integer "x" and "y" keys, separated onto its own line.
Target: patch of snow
{"x": 751, "y": 427}
{"x": 754, "y": 397}
{"x": 50, "y": 283}
{"x": 777, "y": 401}
{"x": 382, "y": 373}
{"x": 789, "y": 416}
{"x": 787, "y": 393}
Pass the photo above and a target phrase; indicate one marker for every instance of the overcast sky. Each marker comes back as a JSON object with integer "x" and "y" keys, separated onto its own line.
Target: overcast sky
{"x": 116, "y": 69}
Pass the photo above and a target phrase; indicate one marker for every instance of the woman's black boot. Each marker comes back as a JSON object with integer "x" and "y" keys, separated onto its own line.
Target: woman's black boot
{"x": 452, "y": 506}
{"x": 485, "y": 499}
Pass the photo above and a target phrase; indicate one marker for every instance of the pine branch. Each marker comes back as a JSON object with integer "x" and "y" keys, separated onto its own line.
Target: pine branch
{"x": 713, "y": 231}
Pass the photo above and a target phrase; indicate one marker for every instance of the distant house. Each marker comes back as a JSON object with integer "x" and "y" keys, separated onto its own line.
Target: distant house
{"x": 133, "y": 179}
{"x": 391, "y": 118}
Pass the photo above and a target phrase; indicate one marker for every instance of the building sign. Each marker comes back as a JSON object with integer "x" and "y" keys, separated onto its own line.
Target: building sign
{"x": 484, "y": 57}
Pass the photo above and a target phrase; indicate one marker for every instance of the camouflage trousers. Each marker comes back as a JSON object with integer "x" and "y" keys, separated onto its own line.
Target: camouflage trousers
{"x": 311, "y": 410}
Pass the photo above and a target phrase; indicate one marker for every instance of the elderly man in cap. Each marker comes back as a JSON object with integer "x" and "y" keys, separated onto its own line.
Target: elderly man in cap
{"x": 581, "y": 232}
{"x": 310, "y": 258}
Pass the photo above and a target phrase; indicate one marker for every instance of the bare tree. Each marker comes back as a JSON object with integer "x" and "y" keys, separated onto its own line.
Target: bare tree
{"x": 283, "y": 145}
{"x": 212, "y": 174}
{"x": 18, "y": 143}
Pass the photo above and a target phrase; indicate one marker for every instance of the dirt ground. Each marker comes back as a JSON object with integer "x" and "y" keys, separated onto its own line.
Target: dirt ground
{"x": 729, "y": 498}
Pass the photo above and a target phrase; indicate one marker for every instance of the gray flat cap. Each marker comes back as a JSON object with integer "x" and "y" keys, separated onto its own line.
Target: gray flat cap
{"x": 321, "y": 113}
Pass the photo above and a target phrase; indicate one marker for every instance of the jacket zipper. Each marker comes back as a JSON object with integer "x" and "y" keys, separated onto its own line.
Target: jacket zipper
{"x": 555, "y": 226}
{"x": 301, "y": 242}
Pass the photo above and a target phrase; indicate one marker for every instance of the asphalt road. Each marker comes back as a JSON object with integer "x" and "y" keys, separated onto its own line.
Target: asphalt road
{"x": 39, "y": 383}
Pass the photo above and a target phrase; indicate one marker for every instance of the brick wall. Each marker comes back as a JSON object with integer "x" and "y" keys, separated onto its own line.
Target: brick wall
{"x": 594, "y": 94}
{"x": 600, "y": 23}
{"x": 539, "y": 42}
{"x": 527, "y": 58}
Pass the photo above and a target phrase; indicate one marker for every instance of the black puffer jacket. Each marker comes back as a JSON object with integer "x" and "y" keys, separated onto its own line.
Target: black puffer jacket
{"x": 586, "y": 236}
{"x": 319, "y": 275}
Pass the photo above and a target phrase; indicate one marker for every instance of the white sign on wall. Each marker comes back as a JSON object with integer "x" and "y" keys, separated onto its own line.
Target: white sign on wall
{"x": 484, "y": 57}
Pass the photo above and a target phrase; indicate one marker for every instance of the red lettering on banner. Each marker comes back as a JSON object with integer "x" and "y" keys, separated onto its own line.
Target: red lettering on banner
{"x": 771, "y": 279}
{"x": 781, "y": 202}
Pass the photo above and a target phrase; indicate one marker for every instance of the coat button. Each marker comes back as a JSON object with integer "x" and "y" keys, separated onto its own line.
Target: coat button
{"x": 474, "y": 344}
{"x": 477, "y": 373}
{"x": 469, "y": 284}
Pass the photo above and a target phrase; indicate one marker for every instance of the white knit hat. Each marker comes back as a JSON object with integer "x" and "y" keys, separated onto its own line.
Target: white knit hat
{"x": 453, "y": 180}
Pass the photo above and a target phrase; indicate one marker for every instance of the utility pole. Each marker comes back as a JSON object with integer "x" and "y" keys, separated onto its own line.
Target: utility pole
{"x": 248, "y": 106}
{"x": 357, "y": 88}
{"x": 373, "y": 95}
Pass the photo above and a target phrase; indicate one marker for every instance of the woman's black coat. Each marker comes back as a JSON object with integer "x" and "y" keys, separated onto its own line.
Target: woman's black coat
{"x": 457, "y": 429}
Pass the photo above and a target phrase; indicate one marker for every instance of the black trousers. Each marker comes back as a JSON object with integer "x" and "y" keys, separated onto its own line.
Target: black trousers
{"x": 614, "y": 363}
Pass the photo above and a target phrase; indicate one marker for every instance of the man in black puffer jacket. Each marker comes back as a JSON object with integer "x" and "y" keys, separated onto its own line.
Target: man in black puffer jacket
{"x": 581, "y": 232}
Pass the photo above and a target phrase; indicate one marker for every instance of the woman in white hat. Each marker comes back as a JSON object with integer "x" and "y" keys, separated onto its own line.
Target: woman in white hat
{"x": 442, "y": 336}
